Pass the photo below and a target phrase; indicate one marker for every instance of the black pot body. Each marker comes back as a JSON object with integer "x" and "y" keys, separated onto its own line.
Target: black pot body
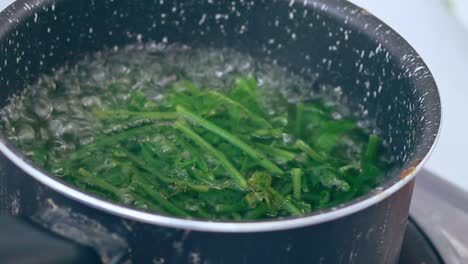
{"x": 373, "y": 235}
{"x": 332, "y": 43}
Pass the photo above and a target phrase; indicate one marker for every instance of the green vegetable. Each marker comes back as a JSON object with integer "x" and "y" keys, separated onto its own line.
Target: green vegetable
{"x": 301, "y": 145}
{"x": 160, "y": 199}
{"x": 217, "y": 154}
{"x": 297, "y": 182}
{"x": 260, "y": 157}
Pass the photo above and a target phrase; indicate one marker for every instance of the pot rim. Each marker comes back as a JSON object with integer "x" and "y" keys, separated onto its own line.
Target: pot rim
{"x": 351, "y": 207}
{"x": 210, "y": 226}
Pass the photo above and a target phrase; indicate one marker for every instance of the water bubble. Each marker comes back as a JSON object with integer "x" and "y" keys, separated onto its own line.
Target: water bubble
{"x": 26, "y": 134}
{"x": 70, "y": 129}
{"x": 116, "y": 69}
{"x": 98, "y": 76}
{"x": 60, "y": 106}
{"x": 186, "y": 155}
{"x": 363, "y": 124}
{"x": 61, "y": 145}
{"x": 27, "y": 117}
{"x": 337, "y": 116}
{"x": 86, "y": 140}
{"x": 55, "y": 127}
{"x": 42, "y": 108}
{"x": 91, "y": 101}
{"x": 166, "y": 80}
{"x": 44, "y": 134}
{"x": 158, "y": 97}
{"x": 72, "y": 89}
{"x": 12, "y": 113}
{"x": 288, "y": 139}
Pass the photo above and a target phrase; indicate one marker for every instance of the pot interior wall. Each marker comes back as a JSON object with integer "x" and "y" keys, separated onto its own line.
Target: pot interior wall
{"x": 370, "y": 68}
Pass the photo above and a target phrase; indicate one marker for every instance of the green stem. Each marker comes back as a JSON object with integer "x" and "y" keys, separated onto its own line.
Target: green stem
{"x": 371, "y": 150}
{"x": 235, "y": 174}
{"x": 298, "y": 124}
{"x": 151, "y": 205}
{"x": 287, "y": 204}
{"x": 297, "y": 182}
{"x": 156, "y": 196}
{"x": 291, "y": 208}
{"x": 99, "y": 183}
{"x": 351, "y": 166}
{"x": 259, "y": 157}
{"x": 277, "y": 152}
{"x": 200, "y": 161}
{"x": 240, "y": 106}
{"x": 123, "y": 114}
{"x": 286, "y": 188}
{"x": 181, "y": 201}
{"x": 309, "y": 151}
{"x": 229, "y": 208}
{"x": 168, "y": 180}
{"x": 203, "y": 214}
{"x": 188, "y": 185}
{"x": 256, "y": 213}
{"x": 110, "y": 140}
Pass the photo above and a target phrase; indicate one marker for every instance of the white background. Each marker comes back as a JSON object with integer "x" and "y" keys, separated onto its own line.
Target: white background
{"x": 436, "y": 33}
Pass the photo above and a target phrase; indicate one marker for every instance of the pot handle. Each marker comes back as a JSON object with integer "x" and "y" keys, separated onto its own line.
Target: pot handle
{"x": 22, "y": 241}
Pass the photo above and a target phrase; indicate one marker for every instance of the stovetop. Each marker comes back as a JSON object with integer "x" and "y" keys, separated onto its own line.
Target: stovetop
{"x": 417, "y": 248}
{"x": 439, "y": 213}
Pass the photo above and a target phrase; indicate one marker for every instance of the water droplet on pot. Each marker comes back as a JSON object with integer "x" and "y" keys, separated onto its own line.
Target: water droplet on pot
{"x": 159, "y": 260}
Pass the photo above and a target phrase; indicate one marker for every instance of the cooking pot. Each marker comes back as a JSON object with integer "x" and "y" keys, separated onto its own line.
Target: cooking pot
{"x": 332, "y": 43}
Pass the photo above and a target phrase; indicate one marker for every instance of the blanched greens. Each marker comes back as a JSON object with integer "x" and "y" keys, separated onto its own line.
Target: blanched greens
{"x": 218, "y": 154}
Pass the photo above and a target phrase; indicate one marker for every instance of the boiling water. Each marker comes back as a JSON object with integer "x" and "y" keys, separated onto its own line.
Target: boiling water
{"x": 54, "y": 117}
{"x": 57, "y": 107}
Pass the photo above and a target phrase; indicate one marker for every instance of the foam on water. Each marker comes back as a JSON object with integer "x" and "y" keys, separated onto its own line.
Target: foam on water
{"x": 58, "y": 106}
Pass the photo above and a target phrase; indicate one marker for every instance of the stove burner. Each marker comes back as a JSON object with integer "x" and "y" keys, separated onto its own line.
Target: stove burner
{"x": 440, "y": 210}
{"x": 417, "y": 248}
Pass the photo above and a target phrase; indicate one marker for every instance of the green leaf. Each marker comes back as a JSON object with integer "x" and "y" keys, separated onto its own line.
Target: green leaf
{"x": 246, "y": 93}
{"x": 235, "y": 174}
{"x": 260, "y": 157}
{"x": 296, "y": 174}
